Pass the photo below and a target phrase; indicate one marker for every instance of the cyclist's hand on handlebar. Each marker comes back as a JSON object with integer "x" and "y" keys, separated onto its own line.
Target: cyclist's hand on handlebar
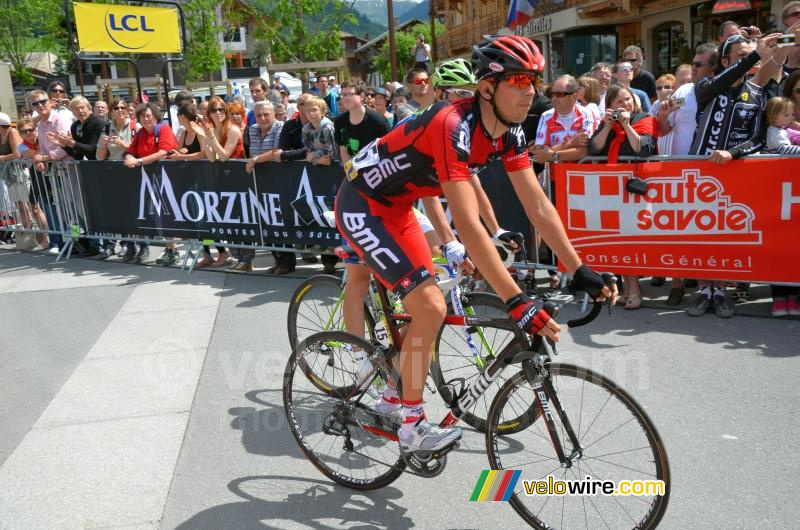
{"x": 533, "y": 316}
{"x": 597, "y": 285}
{"x": 455, "y": 253}
{"x": 511, "y": 240}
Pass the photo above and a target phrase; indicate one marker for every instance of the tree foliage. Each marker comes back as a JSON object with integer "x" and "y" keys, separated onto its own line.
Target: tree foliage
{"x": 203, "y": 27}
{"x": 302, "y": 30}
{"x": 26, "y": 26}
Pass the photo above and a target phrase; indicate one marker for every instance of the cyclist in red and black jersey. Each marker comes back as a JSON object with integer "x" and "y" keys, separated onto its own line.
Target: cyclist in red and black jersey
{"x": 437, "y": 152}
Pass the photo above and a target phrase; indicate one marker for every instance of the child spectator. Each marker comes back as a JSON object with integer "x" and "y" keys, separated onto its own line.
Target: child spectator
{"x": 318, "y": 134}
{"x": 780, "y": 138}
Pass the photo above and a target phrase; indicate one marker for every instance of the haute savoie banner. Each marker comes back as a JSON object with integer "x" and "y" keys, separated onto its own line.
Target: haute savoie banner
{"x": 738, "y": 221}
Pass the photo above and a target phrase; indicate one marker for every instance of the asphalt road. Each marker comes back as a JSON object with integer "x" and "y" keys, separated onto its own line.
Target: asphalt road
{"x": 143, "y": 397}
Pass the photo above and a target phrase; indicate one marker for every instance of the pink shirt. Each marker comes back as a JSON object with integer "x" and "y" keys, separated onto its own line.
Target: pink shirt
{"x": 57, "y": 122}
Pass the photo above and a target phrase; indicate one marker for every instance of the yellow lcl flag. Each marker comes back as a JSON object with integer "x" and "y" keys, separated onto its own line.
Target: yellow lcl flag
{"x": 127, "y": 29}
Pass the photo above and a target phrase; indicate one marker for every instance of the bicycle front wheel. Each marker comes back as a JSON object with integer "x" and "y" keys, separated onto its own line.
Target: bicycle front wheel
{"x": 617, "y": 442}
{"x": 316, "y": 305}
{"x": 339, "y": 430}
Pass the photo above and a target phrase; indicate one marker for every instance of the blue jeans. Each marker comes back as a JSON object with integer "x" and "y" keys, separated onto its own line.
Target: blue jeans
{"x": 51, "y": 213}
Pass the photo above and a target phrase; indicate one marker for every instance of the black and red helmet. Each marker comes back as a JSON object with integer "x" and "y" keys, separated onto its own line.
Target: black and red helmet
{"x": 498, "y": 54}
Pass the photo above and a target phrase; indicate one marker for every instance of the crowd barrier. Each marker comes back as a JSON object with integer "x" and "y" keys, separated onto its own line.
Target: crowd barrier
{"x": 696, "y": 219}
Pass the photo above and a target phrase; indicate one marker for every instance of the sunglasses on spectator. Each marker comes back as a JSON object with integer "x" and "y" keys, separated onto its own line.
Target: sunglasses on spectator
{"x": 218, "y": 109}
{"x": 459, "y": 92}
{"x": 521, "y": 81}
{"x": 120, "y": 107}
{"x": 663, "y": 87}
{"x": 561, "y": 94}
{"x": 625, "y": 69}
{"x": 630, "y": 59}
{"x": 698, "y": 64}
{"x": 26, "y": 131}
{"x": 420, "y": 81}
{"x": 59, "y": 90}
{"x": 793, "y": 14}
{"x": 40, "y": 103}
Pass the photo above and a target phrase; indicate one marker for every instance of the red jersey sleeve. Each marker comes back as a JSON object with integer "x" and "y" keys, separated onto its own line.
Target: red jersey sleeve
{"x": 515, "y": 154}
{"x": 450, "y": 147}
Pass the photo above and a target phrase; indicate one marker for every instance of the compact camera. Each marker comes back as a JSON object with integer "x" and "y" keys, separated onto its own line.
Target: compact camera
{"x": 616, "y": 115}
{"x": 786, "y": 40}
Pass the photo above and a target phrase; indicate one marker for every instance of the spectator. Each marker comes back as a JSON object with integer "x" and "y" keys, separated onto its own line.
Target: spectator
{"x": 331, "y": 101}
{"x": 683, "y": 75}
{"x": 665, "y": 88}
{"x": 726, "y": 30}
{"x": 356, "y": 126}
{"x": 113, "y": 144}
{"x": 780, "y": 116}
{"x": 564, "y": 131}
{"x": 264, "y": 143}
{"x": 118, "y": 134}
{"x": 290, "y": 107}
{"x": 192, "y": 136}
{"x": 422, "y": 54}
{"x": 380, "y": 104}
{"x": 24, "y": 113}
{"x": 400, "y": 96}
{"x": 276, "y": 84}
{"x": 280, "y": 112}
{"x": 258, "y": 91}
{"x": 40, "y": 190}
{"x": 237, "y": 114}
{"x": 57, "y": 92}
{"x": 151, "y": 143}
{"x": 368, "y": 95}
{"x": 602, "y": 72}
{"x": 791, "y": 90}
{"x": 17, "y": 181}
{"x": 49, "y": 121}
{"x": 223, "y": 141}
{"x": 318, "y": 134}
{"x": 332, "y": 86}
{"x": 319, "y": 139}
{"x": 402, "y": 111}
{"x": 790, "y": 14}
{"x": 290, "y": 144}
{"x": 634, "y": 134}
{"x": 101, "y": 110}
{"x": 419, "y": 84}
{"x": 81, "y": 143}
{"x": 181, "y": 98}
{"x": 642, "y": 79}
{"x": 623, "y": 73}
{"x": 589, "y": 97}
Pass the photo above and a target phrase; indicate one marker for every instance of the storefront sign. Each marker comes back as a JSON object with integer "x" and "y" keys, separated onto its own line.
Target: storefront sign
{"x": 553, "y": 23}
{"x": 696, "y": 219}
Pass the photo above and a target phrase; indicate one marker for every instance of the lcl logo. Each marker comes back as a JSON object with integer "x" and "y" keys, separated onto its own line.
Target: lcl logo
{"x": 127, "y": 28}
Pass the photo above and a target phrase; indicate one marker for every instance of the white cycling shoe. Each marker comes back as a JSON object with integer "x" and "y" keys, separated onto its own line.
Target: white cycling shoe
{"x": 426, "y": 437}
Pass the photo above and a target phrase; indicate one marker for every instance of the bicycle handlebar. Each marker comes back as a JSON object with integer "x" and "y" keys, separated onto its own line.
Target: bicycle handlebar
{"x": 596, "y": 307}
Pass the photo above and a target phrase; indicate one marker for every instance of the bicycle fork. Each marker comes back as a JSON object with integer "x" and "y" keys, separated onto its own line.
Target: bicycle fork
{"x": 547, "y": 400}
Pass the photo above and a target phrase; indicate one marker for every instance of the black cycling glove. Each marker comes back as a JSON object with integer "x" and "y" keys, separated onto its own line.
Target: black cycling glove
{"x": 590, "y": 281}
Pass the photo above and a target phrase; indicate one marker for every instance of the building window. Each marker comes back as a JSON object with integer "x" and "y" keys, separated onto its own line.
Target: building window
{"x": 575, "y": 52}
{"x": 668, "y": 41}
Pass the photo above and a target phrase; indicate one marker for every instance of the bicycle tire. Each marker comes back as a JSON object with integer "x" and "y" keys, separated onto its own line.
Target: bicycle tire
{"x": 317, "y": 303}
{"x": 453, "y": 358}
{"x": 375, "y": 461}
{"x": 622, "y": 451}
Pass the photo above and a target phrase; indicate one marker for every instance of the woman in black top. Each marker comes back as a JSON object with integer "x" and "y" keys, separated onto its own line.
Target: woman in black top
{"x": 190, "y": 135}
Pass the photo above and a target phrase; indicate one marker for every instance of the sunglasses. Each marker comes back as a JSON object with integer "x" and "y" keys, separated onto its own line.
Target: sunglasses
{"x": 421, "y": 81}
{"x": 120, "y": 108}
{"x": 459, "y": 92}
{"x": 40, "y": 103}
{"x": 663, "y": 87}
{"x": 26, "y": 131}
{"x": 59, "y": 90}
{"x": 793, "y": 14}
{"x": 561, "y": 94}
{"x": 733, "y": 39}
{"x": 521, "y": 81}
{"x": 218, "y": 109}
{"x": 698, "y": 64}
{"x": 625, "y": 69}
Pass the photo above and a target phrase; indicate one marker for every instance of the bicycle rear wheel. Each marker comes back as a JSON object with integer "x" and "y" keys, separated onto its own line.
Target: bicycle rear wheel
{"x": 454, "y": 358}
{"x": 316, "y": 305}
{"x": 617, "y": 441}
{"x": 340, "y": 434}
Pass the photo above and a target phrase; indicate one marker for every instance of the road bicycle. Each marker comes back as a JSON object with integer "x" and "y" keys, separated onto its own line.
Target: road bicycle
{"x": 547, "y": 420}
{"x": 460, "y": 352}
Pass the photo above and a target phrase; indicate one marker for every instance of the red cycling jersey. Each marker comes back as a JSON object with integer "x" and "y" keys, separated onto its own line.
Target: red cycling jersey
{"x": 447, "y": 141}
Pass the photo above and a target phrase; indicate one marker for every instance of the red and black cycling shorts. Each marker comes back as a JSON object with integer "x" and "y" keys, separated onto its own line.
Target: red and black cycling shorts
{"x": 388, "y": 238}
